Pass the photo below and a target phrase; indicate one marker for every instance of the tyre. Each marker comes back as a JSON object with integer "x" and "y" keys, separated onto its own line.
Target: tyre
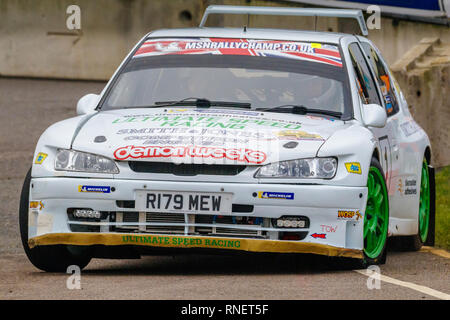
{"x": 425, "y": 216}
{"x": 376, "y": 217}
{"x": 46, "y": 258}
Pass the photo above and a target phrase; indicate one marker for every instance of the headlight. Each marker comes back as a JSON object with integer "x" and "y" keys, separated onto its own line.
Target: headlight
{"x": 69, "y": 160}
{"x": 313, "y": 168}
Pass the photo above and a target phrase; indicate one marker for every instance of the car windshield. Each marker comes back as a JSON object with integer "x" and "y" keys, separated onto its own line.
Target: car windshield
{"x": 172, "y": 70}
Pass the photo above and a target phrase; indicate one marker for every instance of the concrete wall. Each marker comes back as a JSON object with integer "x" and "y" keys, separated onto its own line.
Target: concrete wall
{"x": 424, "y": 75}
{"x": 395, "y": 37}
{"x": 35, "y": 41}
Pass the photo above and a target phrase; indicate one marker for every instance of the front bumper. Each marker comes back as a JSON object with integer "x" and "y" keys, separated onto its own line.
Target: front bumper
{"x": 166, "y": 241}
{"x": 327, "y": 231}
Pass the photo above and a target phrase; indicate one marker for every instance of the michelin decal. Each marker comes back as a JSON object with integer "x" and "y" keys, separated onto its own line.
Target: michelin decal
{"x": 275, "y": 195}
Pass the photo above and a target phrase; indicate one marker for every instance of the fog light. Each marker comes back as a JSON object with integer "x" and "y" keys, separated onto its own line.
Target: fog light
{"x": 87, "y": 213}
{"x": 290, "y": 222}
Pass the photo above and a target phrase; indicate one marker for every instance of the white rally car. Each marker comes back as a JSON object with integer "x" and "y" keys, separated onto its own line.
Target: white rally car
{"x": 234, "y": 139}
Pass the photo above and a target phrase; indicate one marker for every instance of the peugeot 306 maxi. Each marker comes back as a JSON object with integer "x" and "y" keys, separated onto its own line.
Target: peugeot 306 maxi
{"x": 234, "y": 139}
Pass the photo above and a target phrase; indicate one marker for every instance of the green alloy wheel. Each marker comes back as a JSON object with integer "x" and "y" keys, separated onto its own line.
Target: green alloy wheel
{"x": 424, "y": 203}
{"x": 376, "y": 218}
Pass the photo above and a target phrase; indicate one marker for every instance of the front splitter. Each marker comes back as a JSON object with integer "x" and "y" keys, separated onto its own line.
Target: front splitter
{"x": 179, "y": 241}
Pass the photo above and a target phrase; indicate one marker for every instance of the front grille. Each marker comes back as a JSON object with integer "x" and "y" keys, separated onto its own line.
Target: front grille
{"x": 236, "y": 233}
{"x": 130, "y": 217}
{"x": 218, "y": 225}
{"x": 165, "y": 217}
{"x": 183, "y": 224}
{"x": 229, "y": 220}
{"x": 185, "y": 169}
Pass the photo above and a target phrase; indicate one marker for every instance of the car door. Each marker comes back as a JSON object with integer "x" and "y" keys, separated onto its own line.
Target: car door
{"x": 403, "y": 194}
{"x": 370, "y": 93}
{"x": 391, "y": 104}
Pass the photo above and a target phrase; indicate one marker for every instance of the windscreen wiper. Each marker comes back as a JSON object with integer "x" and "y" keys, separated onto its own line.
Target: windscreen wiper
{"x": 197, "y": 102}
{"x": 300, "y": 109}
{"x": 203, "y": 103}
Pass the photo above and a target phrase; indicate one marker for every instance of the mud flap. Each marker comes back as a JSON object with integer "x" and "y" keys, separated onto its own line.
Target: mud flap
{"x": 431, "y": 228}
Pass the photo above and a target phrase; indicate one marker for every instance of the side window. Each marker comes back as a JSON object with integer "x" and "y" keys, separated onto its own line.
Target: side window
{"x": 367, "y": 87}
{"x": 384, "y": 81}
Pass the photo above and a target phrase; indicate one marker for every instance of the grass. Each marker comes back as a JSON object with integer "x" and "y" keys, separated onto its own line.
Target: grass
{"x": 443, "y": 208}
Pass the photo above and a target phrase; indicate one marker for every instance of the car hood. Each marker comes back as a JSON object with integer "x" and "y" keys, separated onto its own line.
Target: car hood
{"x": 212, "y": 136}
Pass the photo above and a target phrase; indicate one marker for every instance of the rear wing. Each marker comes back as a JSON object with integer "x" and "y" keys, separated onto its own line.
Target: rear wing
{"x": 281, "y": 11}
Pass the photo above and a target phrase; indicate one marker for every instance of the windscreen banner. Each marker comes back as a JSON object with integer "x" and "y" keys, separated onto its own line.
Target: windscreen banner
{"x": 315, "y": 52}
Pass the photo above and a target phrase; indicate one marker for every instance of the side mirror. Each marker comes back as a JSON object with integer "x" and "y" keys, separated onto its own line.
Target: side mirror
{"x": 87, "y": 104}
{"x": 374, "y": 115}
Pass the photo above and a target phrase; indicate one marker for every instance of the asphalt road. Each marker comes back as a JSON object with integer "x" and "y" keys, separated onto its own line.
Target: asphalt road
{"x": 28, "y": 107}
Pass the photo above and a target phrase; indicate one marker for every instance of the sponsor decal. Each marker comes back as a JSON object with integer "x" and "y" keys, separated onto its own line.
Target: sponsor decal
{"x": 254, "y": 245}
{"x": 319, "y": 235}
{"x": 320, "y": 118}
{"x": 219, "y": 121}
{"x": 186, "y": 140}
{"x": 194, "y": 136}
{"x": 314, "y": 52}
{"x": 389, "y": 106}
{"x": 326, "y": 228}
{"x": 236, "y": 154}
{"x": 400, "y": 186}
{"x": 40, "y": 158}
{"x": 349, "y": 214}
{"x": 99, "y": 189}
{"x": 275, "y": 195}
{"x": 219, "y": 111}
{"x": 182, "y": 241}
{"x": 410, "y": 191}
{"x": 297, "y": 135}
{"x": 194, "y": 132}
{"x": 177, "y": 110}
{"x": 36, "y": 205}
{"x": 409, "y": 187}
{"x": 353, "y": 167}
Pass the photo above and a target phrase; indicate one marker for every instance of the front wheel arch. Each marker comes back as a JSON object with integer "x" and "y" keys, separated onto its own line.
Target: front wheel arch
{"x": 376, "y": 154}
{"x": 47, "y": 258}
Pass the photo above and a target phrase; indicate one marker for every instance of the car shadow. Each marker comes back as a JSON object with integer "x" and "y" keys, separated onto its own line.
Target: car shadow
{"x": 202, "y": 264}
{"x": 229, "y": 264}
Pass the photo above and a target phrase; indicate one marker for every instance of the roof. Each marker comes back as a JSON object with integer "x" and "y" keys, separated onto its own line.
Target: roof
{"x": 250, "y": 33}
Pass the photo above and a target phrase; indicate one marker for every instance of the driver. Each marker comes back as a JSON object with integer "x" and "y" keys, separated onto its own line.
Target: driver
{"x": 319, "y": 93}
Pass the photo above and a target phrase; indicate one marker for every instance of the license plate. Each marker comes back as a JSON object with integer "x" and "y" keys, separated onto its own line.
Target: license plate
{"x": 189, "y": 202}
